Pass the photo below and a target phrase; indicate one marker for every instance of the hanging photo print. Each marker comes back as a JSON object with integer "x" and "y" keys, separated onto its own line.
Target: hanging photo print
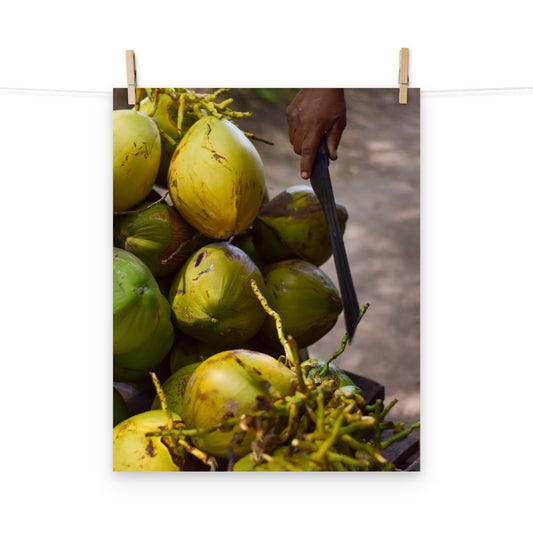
{"x": 266, "y": 280}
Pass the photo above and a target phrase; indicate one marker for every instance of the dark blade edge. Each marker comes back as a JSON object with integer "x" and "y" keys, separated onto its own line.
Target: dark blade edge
{"x": 321, "y": 183}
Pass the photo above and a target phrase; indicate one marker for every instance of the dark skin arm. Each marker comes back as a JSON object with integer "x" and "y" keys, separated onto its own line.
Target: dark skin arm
{"x": 313, "y": 113}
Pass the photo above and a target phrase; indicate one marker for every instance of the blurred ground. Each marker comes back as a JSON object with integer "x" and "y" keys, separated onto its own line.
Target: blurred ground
{"x": 376, "y": 177}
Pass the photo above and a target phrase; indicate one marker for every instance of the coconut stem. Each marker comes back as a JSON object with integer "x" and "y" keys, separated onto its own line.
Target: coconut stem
{"x": 389, "y": 407}
{"x": 291, "y": 424}
{"x": 289, "y": 344}
{"x": 324, "y": 372}
{"x": 213, "y": 96}
{"x": 363, "y": 447}
{"x": 185, "y": 99}
{"x": 319, "y": 431}
{"x": 225, "y": 103}
{"x": 190, "y": 104}
{"x": 162, "y": 199}
{"x": 162, "y": 399}
{"x": 255, "y": 138}
{"x": 355, "y": 464}
{"x": 400, "y": 435}
{"x": 181, "y": 111}
{"x": 325, "y": 369}
{"x": 362, "y": 312}
{"x": 290, "y": 353}
{"x": 377, "y": 428}
{"x": 138, "y": 97}
{"x": 328, "y": 443}
{"x": 199, "y": 454}
{"x": 153, "y": 94}
{"x": 168, "y": 139}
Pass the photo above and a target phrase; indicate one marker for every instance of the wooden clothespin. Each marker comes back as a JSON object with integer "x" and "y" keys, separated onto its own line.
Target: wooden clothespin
{"x": 132, "y": 76}
{"x": 404, "y": 74}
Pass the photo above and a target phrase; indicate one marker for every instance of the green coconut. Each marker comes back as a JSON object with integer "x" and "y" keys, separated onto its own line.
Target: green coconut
{"x": 216, "y": 178}
{"x": 159, "y": 236}
{"x": 312, "y": 369}
{"x": 245, "y": 242}
{"x": 212, "y": 298}
{"x": 293, "y": 226}
{"x": 174, "y": 389}
{"x": 136, "y": 302}
{"x": 140, "y": 378}
{"x": 149, "y": 354}
{"x": 136, "y": 156}
{"x": 305, "y": 298}
{"x": 188, "y": 350}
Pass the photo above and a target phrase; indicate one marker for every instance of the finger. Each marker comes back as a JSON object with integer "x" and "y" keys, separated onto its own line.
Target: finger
{"x": 298, "y": 140}
{"x": 333, "y": 138}
{"x": 292, "y": 133}
{"x": 292, "y": 121}
{"x": 309, "y": 149}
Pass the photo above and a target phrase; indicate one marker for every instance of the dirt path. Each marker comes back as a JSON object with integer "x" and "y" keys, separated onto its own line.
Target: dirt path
{"x": 376, "y": 177}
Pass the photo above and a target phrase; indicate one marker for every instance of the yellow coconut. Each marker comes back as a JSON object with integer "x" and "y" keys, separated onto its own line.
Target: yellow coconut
{"x": 133, "y": 451}
{"x": 216, "y": 178}
{"x": 136, "y": 156}
{"x": 230, "y": 384}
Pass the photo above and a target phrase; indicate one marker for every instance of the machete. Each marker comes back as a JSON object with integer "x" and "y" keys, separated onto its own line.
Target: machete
{"x": 321, "y": 183}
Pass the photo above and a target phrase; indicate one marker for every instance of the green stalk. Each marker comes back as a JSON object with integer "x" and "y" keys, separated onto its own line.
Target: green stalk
{"x": 163, "y": 400}
{"x": 289, "y": 344}
{"x": 319, "y": 431}
{"x": 319, "y": 455}
{"x": 358, "y": 464}
{"x": 325, "y": 369}
{"x": 364, "y": 447}
{"x": 400, "y": 435}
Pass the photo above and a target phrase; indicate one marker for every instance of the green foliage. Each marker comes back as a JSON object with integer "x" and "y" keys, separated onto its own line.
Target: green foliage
{"x": 275, "y": 96}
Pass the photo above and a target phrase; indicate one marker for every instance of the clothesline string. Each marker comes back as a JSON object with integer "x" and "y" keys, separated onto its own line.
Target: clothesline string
{"x": 56, "y": 91}
{"x": 109, "y": 93}
{"x": 478, "y": 90}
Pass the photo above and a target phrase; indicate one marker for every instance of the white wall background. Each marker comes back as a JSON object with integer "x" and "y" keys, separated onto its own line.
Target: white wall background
{"x": 477, "y": 289}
